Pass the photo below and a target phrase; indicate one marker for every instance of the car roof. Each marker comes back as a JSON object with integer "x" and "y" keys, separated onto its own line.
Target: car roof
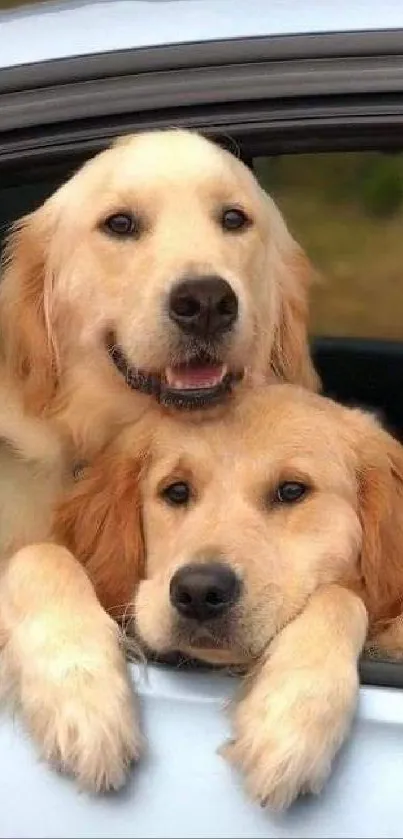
{"x": 46, "y": 31}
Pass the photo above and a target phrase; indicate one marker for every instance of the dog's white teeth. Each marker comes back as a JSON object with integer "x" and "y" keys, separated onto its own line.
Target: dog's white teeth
{"x": 192, "y": 377}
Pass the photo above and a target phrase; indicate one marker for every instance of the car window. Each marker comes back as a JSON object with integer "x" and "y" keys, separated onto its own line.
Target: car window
{"x": 346, "y": 209}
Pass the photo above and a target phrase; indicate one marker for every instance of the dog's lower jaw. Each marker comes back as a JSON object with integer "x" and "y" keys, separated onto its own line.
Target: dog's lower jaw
{"x": 178, "y": 398}
{"x": 197, "y": 398}
{"x": 216, "y": 656}
{"x": 182, "y": 654}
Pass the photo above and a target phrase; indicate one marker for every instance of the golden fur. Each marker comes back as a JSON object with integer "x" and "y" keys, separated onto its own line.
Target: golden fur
{"x": 319, "y": 576}
{"x": 66, "y": 284}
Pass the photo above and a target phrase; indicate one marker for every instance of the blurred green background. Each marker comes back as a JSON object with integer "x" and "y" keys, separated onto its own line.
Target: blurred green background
{"x": 346, "y": 210}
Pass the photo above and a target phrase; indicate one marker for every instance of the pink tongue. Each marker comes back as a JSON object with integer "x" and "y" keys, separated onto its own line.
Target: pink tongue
{"x": 188, "y": 377}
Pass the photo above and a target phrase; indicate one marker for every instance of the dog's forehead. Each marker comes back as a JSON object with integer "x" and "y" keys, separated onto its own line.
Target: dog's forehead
{"x": 265, "y": 431}
{"x": 152, "y": 157}
{"x": 152, "y": 161}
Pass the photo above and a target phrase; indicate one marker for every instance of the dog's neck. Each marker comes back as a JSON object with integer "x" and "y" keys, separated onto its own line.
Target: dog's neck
{"x": 94, "y": 404}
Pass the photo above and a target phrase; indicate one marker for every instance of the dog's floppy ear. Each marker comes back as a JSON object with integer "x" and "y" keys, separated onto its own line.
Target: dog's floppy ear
{"x": 291, "y": 360}
{"x": 380, "y": 496}
{"x": 100, "y": 522}
{"x": 28, "y": 345}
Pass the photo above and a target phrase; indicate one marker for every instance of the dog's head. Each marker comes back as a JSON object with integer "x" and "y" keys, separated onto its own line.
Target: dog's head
{"x": 162, "y": 267}
{"x": 223, "y": 532}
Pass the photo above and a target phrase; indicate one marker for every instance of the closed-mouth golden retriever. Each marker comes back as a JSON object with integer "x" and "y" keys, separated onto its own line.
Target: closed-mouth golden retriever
{"x": 271, "y": 541}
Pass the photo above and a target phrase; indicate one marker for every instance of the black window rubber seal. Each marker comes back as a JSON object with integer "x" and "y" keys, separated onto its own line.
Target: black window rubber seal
{"x": 275, "y": 83}
{"x": 381, "y": 673}
{"x": 175, "y": 79}
{"x": 372, "y": 672}
{"x": 201, "y": 54}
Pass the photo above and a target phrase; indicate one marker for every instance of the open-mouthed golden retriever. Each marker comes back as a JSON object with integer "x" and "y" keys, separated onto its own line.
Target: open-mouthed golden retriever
{"x": 271, "y": 541}
{"x": 159, "y": 273}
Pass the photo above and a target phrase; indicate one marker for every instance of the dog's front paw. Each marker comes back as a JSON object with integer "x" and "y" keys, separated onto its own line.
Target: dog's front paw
{"x": 286, "y": 732}
{"x": 81, "y": 713}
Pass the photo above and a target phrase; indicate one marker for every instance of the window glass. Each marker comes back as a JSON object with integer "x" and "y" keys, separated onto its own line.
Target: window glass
{"x": 346, "y": 210}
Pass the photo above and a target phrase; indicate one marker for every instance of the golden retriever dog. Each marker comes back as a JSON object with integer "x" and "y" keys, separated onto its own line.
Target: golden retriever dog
{"x": 271, "y": 541}
{"x": 160, "y": 273}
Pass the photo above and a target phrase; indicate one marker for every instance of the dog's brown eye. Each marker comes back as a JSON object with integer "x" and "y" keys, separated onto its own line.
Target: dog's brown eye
{"x": 290, "y": 491}
{"x": 234, "y": 219}
{"x": 122, "y": 224}
{"x": 178, "y": 493}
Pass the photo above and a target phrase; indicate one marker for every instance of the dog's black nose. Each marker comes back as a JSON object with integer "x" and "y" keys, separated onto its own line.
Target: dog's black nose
{"x": 203, "y": 306}
{"x": 203, "y": 592}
